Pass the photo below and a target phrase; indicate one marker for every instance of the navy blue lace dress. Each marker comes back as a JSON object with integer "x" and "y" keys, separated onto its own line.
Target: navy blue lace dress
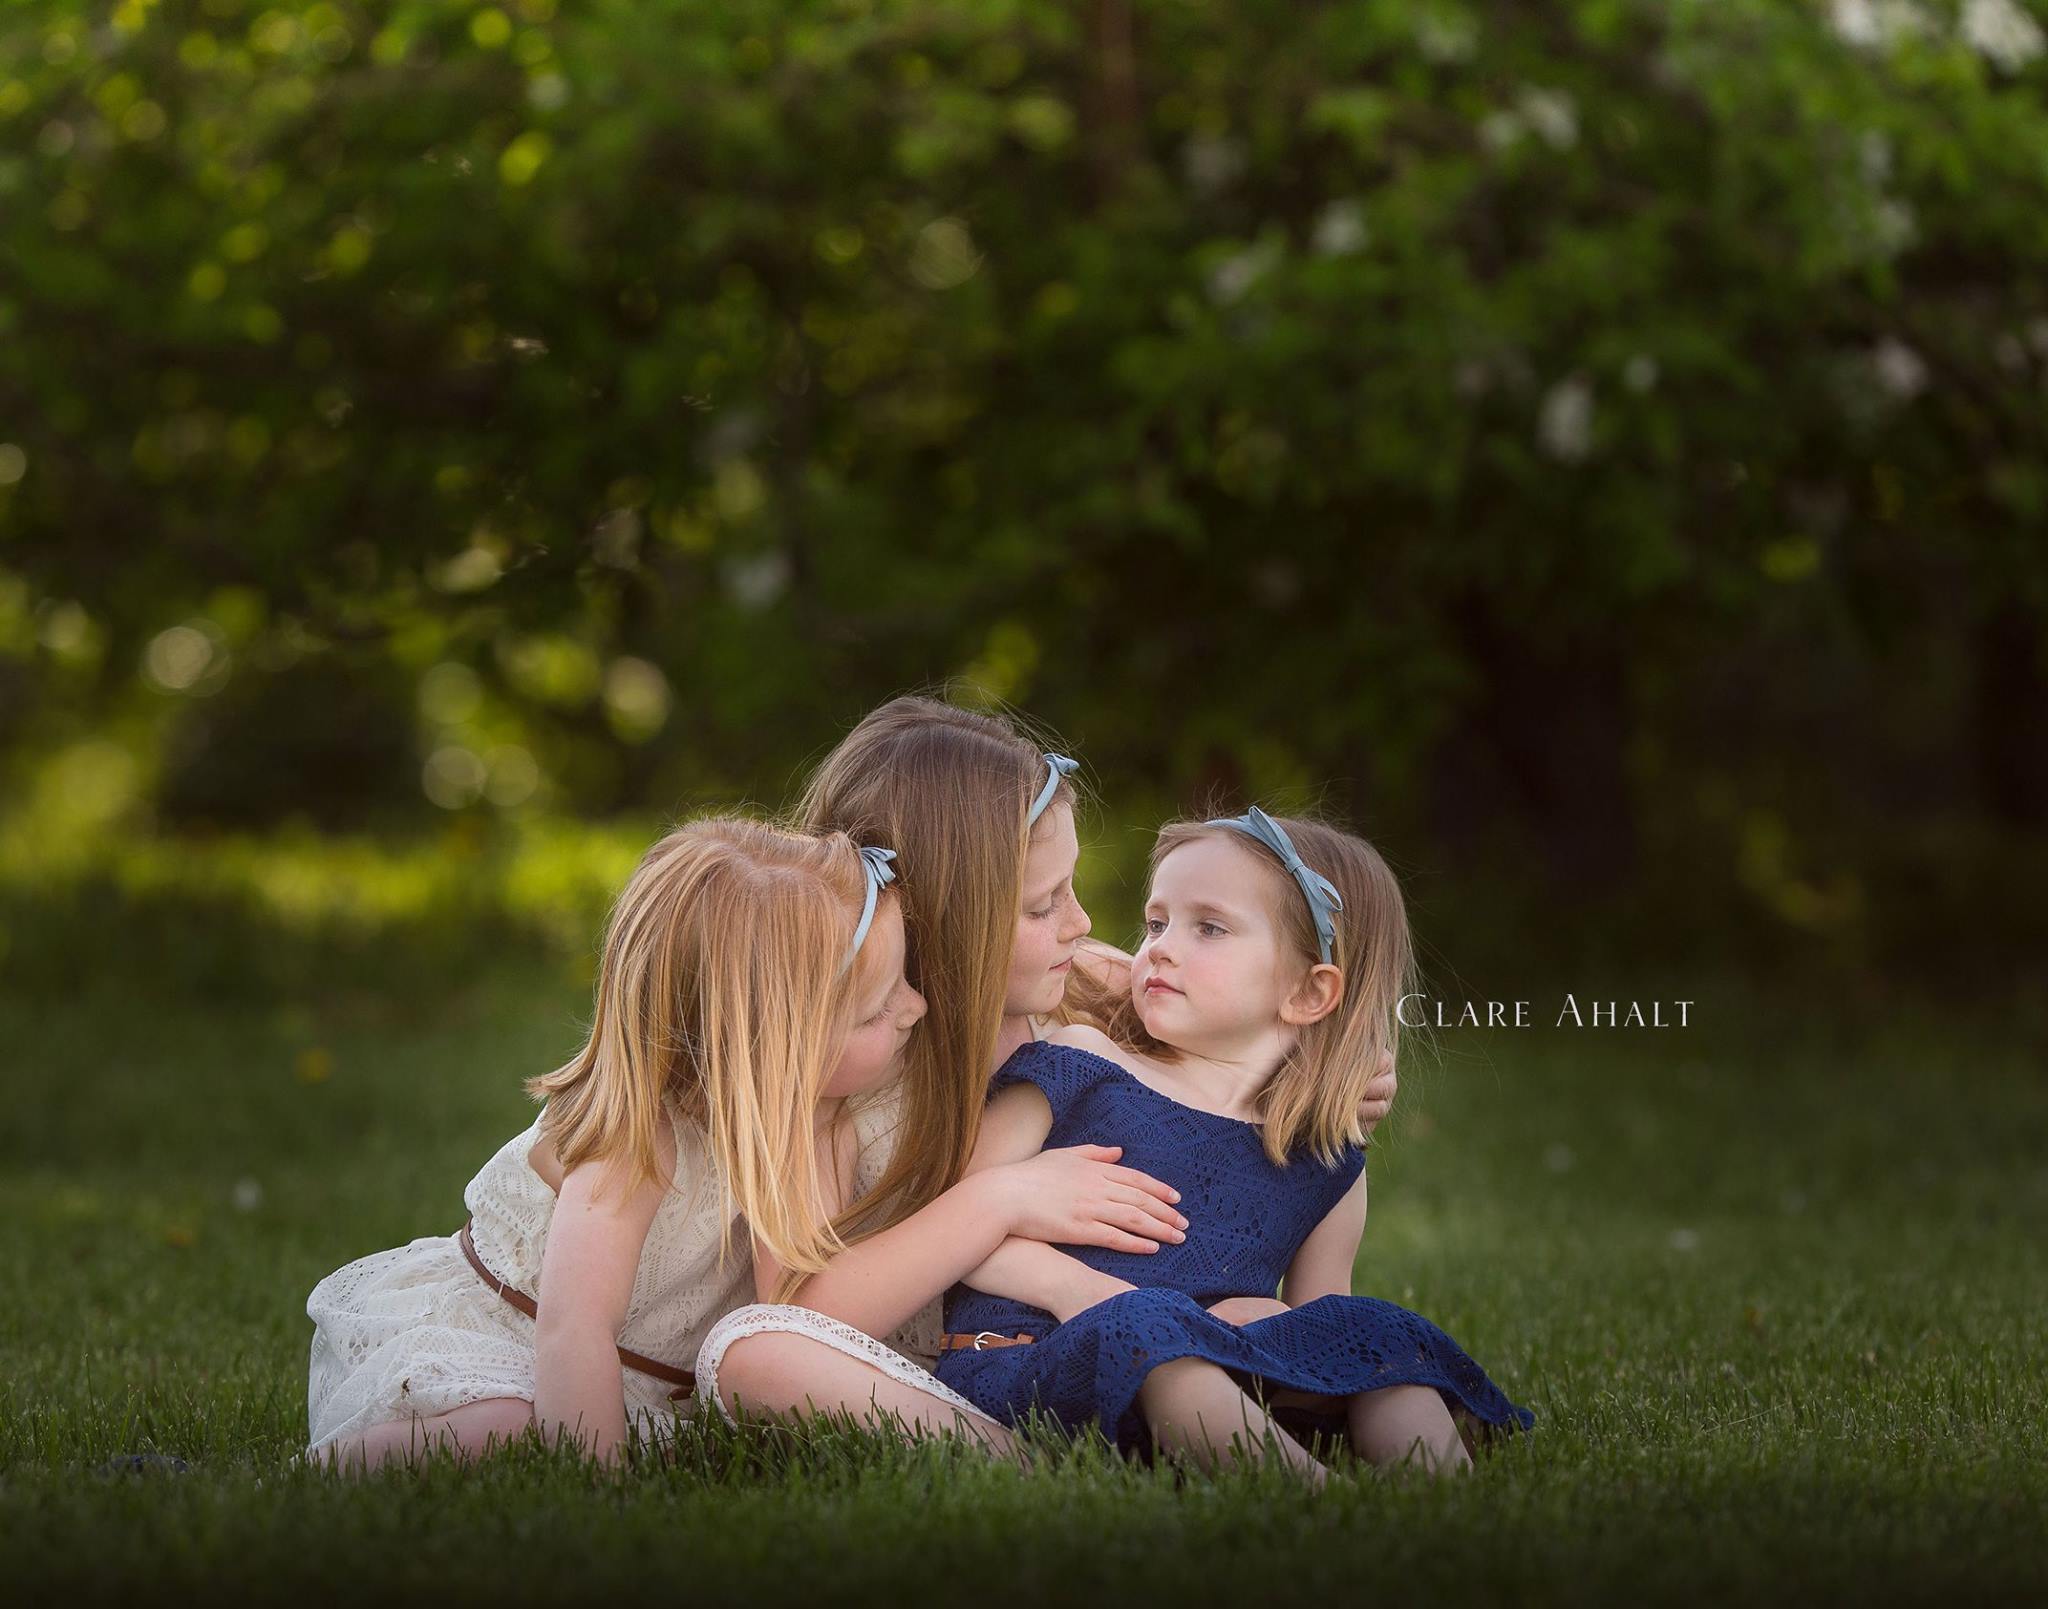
{"x": 1246, "y": 1219}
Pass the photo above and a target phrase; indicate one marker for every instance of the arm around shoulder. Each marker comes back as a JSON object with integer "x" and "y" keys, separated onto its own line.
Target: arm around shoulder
{"x": 880, "y": 1282}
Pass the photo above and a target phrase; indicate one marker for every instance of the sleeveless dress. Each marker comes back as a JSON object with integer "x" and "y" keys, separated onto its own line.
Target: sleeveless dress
{"x": 1246, "y": 1220}
{"x": 416, "y": 1331}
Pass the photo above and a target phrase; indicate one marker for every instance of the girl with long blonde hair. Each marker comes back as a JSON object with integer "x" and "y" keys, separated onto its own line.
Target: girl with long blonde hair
{"x": 751, "y": 991}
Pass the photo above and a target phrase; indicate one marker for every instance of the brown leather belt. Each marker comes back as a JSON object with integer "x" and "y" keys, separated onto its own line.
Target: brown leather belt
{"x": 683, "y": 1380}
{"x": 982, "y": 1341}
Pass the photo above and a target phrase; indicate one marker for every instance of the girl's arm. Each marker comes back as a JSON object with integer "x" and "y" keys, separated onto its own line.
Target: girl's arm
{"x": 1038, "y": 1275}
{"x": 1074, "y": 1195}
{"x": 1323, "y": 1265}
{"x": 1025, "y": 1270}
{"x": 586, "y": 1281}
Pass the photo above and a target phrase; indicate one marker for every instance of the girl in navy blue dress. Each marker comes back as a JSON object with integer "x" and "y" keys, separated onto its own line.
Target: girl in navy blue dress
{"x": 1260, "y": 1001}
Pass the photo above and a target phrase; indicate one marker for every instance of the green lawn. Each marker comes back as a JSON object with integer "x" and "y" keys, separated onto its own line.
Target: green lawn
{"x": 1774, "y": 1287}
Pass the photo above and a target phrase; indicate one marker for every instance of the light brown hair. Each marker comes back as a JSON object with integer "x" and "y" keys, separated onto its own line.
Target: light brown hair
{"x": 948, "y": 789}
{"x": 722, "y": 994}
{"x": 1312, "y": 1098}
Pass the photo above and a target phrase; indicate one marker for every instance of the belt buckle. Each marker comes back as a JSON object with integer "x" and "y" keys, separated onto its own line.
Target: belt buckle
{"x": 983, "y": 1337}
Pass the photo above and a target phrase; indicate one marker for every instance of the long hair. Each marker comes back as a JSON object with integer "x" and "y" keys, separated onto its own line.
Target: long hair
{"x": 949, "y": 789}
{"x": 721, "y": 995}
{"x": 1312, "y": 1098}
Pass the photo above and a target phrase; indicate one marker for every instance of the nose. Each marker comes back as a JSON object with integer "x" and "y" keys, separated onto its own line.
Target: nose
{"x": 914, "y": 1007}
{"x": 1078, "y": 926}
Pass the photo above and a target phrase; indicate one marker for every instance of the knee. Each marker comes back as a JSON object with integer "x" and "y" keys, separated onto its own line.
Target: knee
{"x": 1176, "y": 1378}
{"x": 762, "y": 1359}
{"x": 762, "y": 1370}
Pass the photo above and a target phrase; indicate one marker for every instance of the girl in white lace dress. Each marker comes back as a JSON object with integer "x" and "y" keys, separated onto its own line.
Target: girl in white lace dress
{"x": 737, "y": 1094}
{"x": 729, "y": 1013}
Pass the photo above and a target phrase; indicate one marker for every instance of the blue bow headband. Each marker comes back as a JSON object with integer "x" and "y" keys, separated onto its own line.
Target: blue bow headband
{"x": 1323, "y": 899}
{"x": 1056, "y": 766}
{"x": 875, "y": 868}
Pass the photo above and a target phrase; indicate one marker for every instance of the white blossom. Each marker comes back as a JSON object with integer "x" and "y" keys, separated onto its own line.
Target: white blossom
{"x": 1872, "y": 24}
{"x": 1499, "y": 130}
{"x": 1442, "y": 37}
{"x": 758, "y": 580}
{"x": 1340, "y": 229}
{"x": 1552, "y": 114}
{"x": 2001, "y": 33}
{"x": 1241, "y": 270}
{"x": 1565, "y": 425}
{"x": 1899, "y": 369}
{"x": 1212, "y": 161}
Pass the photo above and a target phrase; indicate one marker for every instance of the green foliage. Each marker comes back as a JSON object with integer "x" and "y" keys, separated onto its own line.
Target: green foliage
{"x": 1571, "y": 430}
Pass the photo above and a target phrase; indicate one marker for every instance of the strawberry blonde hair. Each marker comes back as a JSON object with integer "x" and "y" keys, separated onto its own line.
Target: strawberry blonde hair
{"x": 722, "y": 995}
{"x": 1312, "y": 1099}
{"x": 950, "y": 790}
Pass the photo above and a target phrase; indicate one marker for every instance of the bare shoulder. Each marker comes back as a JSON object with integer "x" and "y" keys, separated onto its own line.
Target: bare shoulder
{"x": 1080, "y": 1036}
{"x": 612, "y": 1180}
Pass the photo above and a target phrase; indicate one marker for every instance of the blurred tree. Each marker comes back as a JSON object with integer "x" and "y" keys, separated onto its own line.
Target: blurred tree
{"x": 1599, "y": 433}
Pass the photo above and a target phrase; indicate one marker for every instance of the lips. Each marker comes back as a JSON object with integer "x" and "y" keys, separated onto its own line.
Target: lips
{"x": 1154, "y": 986}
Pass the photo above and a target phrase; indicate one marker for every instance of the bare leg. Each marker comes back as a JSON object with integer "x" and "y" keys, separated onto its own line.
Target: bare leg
{"x": 1402, "y": 1425}
{"x": 1194, "y": 1407}
{"x": 789, "y": 1375}
{"x": 469, "y": 1432}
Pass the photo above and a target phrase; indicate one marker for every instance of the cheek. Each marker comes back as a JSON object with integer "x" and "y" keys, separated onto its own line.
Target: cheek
{"x": 858, "y": 1056}
{"x": 1030, "y": 954}
{"x": 1213, "y": 974}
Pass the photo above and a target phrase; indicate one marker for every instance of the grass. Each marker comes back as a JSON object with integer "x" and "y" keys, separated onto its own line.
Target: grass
{"x": 1774, "y": 1286}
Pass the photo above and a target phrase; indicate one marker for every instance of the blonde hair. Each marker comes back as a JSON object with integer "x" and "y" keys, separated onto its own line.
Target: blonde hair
{"x": 950, "y": 790}
{"x": 721, "y": 995}
{"x": 1312, "y": 1098}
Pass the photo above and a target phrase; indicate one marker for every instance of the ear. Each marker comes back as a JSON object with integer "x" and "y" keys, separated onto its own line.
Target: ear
{"x": 1315, "y": 997}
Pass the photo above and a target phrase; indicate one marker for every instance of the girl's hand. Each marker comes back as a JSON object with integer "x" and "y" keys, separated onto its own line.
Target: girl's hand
{"x": 1248, "y": 1309}
{"x": 1379, "y": 1094}
{"x": 1076, "y": 1196}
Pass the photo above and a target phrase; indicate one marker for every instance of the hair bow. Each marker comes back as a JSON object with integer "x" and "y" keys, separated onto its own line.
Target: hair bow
{"x": 1323, "y": 899}
{"x": 877, "y": 871}
{"x": 1056, "y": 766}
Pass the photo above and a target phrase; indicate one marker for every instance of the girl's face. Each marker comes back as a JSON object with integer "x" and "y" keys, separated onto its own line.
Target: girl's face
{"x": 1214, "y": 970}
{"x": 1050, "y": 921}
{"x": 885, "y": 1009}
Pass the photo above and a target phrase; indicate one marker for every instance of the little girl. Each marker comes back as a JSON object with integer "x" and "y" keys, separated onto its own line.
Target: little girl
{"x": 1259, "y": 1003}
{"x": 751, "y": 986}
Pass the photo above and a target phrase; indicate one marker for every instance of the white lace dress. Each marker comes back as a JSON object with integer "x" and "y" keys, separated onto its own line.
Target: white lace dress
{"x": 416, "y": 1331}
{"x": 908, "y": 1355}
